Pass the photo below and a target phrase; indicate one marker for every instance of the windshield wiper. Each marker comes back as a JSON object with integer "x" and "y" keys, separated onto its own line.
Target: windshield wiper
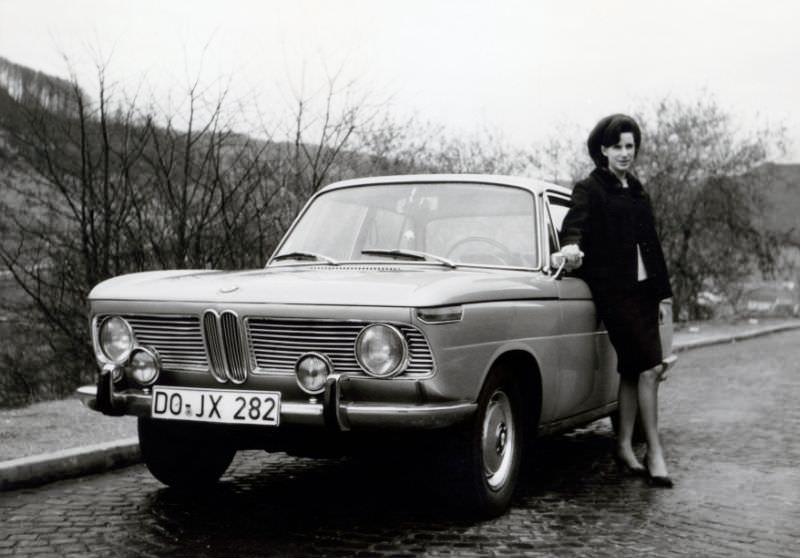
{"x": 412, "y": 254}
{"x": 304, "y": 256}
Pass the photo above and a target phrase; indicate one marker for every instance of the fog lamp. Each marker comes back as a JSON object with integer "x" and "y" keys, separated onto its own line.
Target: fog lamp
{"x": 381, "y": 350}
{"x": 144, "y": 366}
{"x": 312, "y": 370}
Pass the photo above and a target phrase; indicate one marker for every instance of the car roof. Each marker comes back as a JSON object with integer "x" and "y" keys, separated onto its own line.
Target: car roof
{"x": 534, "y": 185}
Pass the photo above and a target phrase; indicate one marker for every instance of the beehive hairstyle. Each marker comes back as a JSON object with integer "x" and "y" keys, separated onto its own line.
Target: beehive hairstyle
{"x": 607, "y": 133}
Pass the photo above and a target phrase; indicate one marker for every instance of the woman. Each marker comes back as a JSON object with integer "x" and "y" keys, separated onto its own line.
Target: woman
{"x": 609, "y": 234}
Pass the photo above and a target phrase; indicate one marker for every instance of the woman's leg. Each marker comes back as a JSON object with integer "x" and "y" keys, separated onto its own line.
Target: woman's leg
{"x": 628, "y": 408}
{"x": 648, "y": 408}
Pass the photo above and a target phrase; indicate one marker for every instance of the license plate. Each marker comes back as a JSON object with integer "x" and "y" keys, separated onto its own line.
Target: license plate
{"x": 222, "y": 406}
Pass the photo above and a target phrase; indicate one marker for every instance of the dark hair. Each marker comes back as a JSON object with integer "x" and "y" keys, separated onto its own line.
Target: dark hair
{"x": 607, "y": 132}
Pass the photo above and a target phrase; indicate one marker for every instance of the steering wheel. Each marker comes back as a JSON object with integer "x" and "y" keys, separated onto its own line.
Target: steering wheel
{"x": 504, "y": 258}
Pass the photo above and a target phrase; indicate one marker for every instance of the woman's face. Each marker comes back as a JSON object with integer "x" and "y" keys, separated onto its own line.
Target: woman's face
{"x": 622, "y": 154}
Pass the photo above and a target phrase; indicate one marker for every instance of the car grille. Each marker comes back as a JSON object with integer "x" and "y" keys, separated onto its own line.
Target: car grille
{"x": 214, "y": 343}
{"x": 278, "y": 343}
{"x": 225, "y": 346}
{"x": 177, "y": 339}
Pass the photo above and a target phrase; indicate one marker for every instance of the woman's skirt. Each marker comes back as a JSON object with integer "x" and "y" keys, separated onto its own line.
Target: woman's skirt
{"x": 631, "y": 319}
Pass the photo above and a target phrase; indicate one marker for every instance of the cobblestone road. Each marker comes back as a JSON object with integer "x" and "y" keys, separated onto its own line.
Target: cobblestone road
{"x": 730, "y": 420}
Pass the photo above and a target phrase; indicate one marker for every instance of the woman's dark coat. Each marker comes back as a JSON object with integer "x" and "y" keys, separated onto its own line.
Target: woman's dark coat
{"x": 607, "y": 221}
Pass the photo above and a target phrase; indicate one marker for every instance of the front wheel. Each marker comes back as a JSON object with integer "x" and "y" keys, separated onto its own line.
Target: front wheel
{"x": 494, "y": 443}
{"x": 183, "y": 455}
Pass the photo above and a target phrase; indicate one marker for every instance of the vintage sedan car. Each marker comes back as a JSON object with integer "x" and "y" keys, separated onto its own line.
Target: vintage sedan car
{"x": 405, "y": 304}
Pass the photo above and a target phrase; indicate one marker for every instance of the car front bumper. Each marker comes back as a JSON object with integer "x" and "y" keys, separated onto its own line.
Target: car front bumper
{"x": 331, "y": 411}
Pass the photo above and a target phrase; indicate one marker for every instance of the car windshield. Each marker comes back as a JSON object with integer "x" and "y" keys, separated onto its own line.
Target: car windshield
{"x": 441, "y": 223}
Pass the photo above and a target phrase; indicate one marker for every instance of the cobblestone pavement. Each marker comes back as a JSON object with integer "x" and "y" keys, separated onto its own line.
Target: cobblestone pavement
{"x": 730, "y": 421}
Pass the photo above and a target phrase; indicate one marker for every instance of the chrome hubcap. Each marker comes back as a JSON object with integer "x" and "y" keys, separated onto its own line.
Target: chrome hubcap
{"x": 498, "y": 440}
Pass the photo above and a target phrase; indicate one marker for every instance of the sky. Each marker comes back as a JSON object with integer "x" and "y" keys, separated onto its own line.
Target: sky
{"x": 527, "y": 70}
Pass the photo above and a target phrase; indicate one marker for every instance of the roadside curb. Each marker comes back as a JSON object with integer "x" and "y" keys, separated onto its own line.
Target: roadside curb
{"x": 688, "y": 344}
{"x": 41, "y": 469}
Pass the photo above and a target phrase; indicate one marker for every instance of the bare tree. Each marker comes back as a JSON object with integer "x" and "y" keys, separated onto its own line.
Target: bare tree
{"x": 697, "y": 167}
{"x": 104, "y": 188}
{"x": 399, "y": 147}
{"x": 562, "y": 158}
{"x": 204, "y": 187}
{"x": 72, "y": 197}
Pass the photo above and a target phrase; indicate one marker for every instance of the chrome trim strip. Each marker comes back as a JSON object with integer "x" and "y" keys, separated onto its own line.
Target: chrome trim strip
{"x": 570, "y": 422}
{"x": 541, "y": 227}
{"x": 365, "y": 410}
{"x": 407, "y": 416}
{"x": 348, "y": 415}
{"x": 86, "y": 393}
{"x": 302, "y": 409}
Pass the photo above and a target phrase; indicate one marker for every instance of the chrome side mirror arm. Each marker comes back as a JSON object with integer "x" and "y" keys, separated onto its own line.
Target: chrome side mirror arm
{"x": 558, "y": 261}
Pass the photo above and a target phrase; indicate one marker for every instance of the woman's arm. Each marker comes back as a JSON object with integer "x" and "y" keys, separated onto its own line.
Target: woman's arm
{"x": 576, "y": 221}
{"x": 574, "y": 227}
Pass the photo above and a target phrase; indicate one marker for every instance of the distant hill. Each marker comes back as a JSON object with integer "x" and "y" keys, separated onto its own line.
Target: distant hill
{"x": 24, "y": 85}
{"x": 21, "y": 87}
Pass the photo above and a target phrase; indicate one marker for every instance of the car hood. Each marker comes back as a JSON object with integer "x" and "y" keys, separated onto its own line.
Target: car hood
{"x": 405, "y": 286}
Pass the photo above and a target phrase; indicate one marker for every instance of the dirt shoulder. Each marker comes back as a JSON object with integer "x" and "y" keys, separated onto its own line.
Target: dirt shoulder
{"x": 55, "y": 425}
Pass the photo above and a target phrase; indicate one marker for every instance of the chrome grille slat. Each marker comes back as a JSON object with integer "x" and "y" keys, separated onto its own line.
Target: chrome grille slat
{"x": 317, "y": 326}
{"x": 178, "y": 344}
{"x": 301, "y": 342}
{"x": 168, "y": 328}
{"x": 284, "y": 351}
{"x": 177, "y": 339}
{"x": 169, "y": 363}
{"x": 277, "y": 343}
{"x": 290, "y": 337}
{"x": 234, "y": 348}
{"x": 213, "y": 340}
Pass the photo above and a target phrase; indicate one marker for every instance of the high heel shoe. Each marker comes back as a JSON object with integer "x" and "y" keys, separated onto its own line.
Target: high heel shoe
{"x": 661, "y": 482}
{"x": 627, "y": 469}
{"x": 657, "y": 480}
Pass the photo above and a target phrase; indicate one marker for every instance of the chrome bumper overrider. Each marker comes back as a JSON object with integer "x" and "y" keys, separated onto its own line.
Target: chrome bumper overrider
{"x": 330, "y": 412}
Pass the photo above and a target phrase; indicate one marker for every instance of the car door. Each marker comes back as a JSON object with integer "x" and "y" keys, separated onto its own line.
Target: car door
{"x": 587, "y": 380}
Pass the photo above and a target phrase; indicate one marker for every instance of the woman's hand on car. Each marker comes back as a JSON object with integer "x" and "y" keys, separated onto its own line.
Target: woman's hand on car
{"x": 573, "y": 256}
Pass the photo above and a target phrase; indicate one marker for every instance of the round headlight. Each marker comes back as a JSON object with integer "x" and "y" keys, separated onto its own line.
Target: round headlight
{"x": 381, "y": 350}
{"x": 144, "y": 367}
{"x": 312, "y": 370}
{"x": 116, "y": 339}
